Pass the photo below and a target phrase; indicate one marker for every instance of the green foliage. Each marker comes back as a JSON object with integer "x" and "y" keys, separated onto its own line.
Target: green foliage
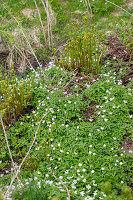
{"x": 15, "y": 96}
{"x": 1, "y": 195}
{"x": 84, "y": 51}
{"x": 126, "y": 192}
{"x": 55, "y": 198}
{"x": 84, "y": 152}
{"x": 107, "y": 187}
{"x": 30, "y": 192}
{"x": 127, "y": 38}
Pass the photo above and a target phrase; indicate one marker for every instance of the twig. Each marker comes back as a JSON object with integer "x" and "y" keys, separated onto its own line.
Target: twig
{"x": 24, "y": 157}
{"x": 49, "y": 22}
{"x": 87, "y": 8}
{"x": 51, "y": 31}
{"x": 90, "y": 7}
{"x": 58, "y": 179}
{"x": 23, "y": 34}
{"x": 41, "y": 23}
{"x": 13, "y": 164}
{"x": 119, "y": 7}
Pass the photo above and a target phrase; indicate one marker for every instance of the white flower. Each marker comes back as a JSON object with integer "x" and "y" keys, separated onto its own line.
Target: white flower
{"x": 111, "y": 99}
{"x": 73, "y": 186}
{"x": 83, "y": 170}
{"x": 84, "y": 180}
{"x": 88, "y": 187}
{"x": 105, "y": 120}
{"x": 92, "y": 171}
{"x": 121, "y": 163}
{"x": 95, "y": 193}
{"x": 90, "y": 152}
{"x": 102, "y": 168}
{"x": 125, "y": 101}
{"x": 82, "y": 193}
{"x": 90, "y": 146}
{"x": 59, "y": 145}
{"x": 80, "y": 164}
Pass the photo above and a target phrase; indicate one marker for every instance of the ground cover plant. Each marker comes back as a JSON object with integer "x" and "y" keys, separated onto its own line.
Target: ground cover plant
{"x": 79, "y": 121}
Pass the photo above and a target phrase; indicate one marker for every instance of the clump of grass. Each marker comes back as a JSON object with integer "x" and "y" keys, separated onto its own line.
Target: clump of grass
{"x": 84, "y": 51}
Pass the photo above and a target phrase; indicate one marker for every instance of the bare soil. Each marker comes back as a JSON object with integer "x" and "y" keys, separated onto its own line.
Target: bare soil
{"x": 116, "y": 50}
{"x": 127, "y": 144}
{"x": 89, "y": 113}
